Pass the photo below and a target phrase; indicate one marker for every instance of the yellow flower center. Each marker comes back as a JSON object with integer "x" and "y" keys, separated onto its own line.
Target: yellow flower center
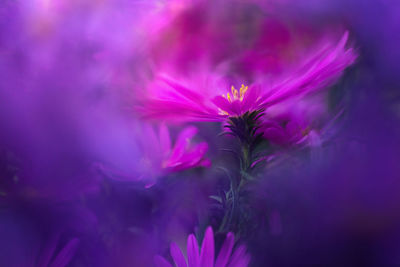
{"x": 235, "y": 94}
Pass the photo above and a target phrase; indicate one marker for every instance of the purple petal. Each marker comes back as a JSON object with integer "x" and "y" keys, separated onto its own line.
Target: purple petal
{"x": 205, "y": 163}
{"x": 318, "y": 71}
{"x": 177, "y": 255}
{"x": 177, "y": 111}
{"x": 150, "y": 140}
{"x": 236, "y": 107}
{"x": 189, "y": 94}
{"x": 226, "y": 251}
{"x": 66, "y": 254}
{"x": 196, "y": 153}
{"x": 250, "y": 99}
{"x": 239, "y": 258}
{"x": 223, "y": 104}
{"x": 193, "y": 251}
{"x": 207, "y": 249}
{"x": 161, "y": 262}
{"x": 48, "y": 251}
{"x": 165, "y": 140}
{"x": 182, "y": 143}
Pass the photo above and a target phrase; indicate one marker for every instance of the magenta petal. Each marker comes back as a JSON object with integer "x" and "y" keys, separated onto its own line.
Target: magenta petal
{"x": 250, "y": 99}
{"x": 193, "y": 251}
{"x": 196, "y": 153}
{"x": 319, "y": 70}
{"x": 151, "y": 141}
{"x": 223, "y": 104}
{"x": 177, "y": 255}
{"x": 189, "y": 94}
{"x": 207, "y": 249}
{"x": 276, "y": 135}
{"x": 66, "y": 254}
{"x": 161, "y": 262}
{"x": 182, "y": 143}
{"x": 165, "y": 140}
{"x": 239, "y": 258}
{"x": 236, "y": 107}
{"x": 226, "y": 250}
{"x": 205, "y": 163}
{"x": 167, "y": 109}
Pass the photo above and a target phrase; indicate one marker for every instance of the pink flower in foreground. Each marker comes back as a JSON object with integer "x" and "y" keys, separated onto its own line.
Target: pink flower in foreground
{"x": 205, "y": 256}
{"x": 207, "y": 101}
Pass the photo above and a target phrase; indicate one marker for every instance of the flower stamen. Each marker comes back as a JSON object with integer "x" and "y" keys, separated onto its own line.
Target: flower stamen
{"x": 236, "y": 95}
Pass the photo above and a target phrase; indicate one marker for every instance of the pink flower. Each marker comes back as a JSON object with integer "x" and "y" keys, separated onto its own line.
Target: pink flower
{"x": 294, "y": 123}
{"x": 210, "y": 99}
{"x": 181, "y": 156}
{"x": 205, "y": 256}
{"x": 157, "y": 156}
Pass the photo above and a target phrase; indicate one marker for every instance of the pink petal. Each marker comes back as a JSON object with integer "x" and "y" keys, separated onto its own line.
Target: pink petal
{"x": 191, "y": 159}
{"x": 226, "y": 250}
{"x": 182, "y": 143}
{"x": 318, "y": 71}
{"x": 150, "y": 140}
{"x": 165, "y": 140}
{"x": 177, "y": 111}
{"x": 236, "y": 108}
{"x": 239, "y": 258}
{"x": 193, "y": 251}
{"x": 161, "y": 262}
{"x": 177, "y": 255}
{"x": 189, "y": 94}
{"x": 205, "y": 163}
{"x": 249, "y": 102}
{"x": 223, "y": 104}
{"x": 207, "y": 249}
{"x": 276, "y": 134}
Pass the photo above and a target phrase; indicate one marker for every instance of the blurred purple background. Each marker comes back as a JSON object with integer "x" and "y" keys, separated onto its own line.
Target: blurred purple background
{"x": 79, "y": 186}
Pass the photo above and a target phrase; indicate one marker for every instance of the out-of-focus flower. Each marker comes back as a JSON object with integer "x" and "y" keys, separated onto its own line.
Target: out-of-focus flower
{"x": 195, "y": 100}
{"x": 181, "y": 156}
{"x": 205, "y": 256}
{"x": 158, "y": 156}
{"x": 293, "y": 123}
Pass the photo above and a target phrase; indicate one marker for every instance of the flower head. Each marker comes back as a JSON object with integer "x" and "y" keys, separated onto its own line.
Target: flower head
{"x": 205, "y": 256}
{"x": 181, "y": 156}
{"x": 158, "y": 156}
{"x": 294, "y": 123}
{"x": 206, "y": 99}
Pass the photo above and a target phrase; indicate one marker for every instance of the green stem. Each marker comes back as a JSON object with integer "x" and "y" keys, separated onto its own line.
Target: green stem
{"x": 244, "y": 129}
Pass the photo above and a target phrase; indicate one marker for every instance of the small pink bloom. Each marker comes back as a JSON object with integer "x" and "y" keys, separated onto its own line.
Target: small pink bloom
{"x": 290, "y": 126}
{"x": 160, "y": 156}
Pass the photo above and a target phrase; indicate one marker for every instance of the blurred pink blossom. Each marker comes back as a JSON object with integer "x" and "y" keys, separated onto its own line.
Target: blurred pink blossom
{"x": 158, "y": 156}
